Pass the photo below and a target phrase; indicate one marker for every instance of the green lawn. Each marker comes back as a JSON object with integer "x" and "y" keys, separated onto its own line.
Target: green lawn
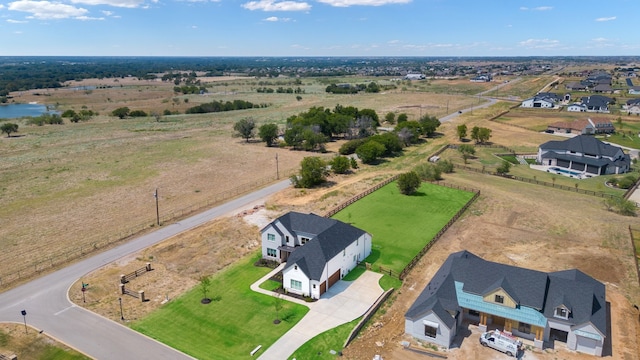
{"x": 228, "y": 328}
{"x": 402, "y": 225}
{"x": 320, "y": 346}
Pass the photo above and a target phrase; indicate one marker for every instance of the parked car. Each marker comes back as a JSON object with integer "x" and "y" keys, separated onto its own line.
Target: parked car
{"x": 501, "y": 341}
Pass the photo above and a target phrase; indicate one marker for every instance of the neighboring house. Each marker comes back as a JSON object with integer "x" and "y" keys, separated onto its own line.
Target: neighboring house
{"x": 577, "y": 107}
{"x": 318, "y": 251}
{"x": 566, "y": 306}
{"x": 634, "y": 90}
{"x": 583, "y": 127}
{"x": 603, "y": 88}
{"x": 482, "y": 78}
{"x": 576, "y": 86}
{"x": 633, "y": 109}
{"x": 597, "y": 103}
{"x": 542, "y": 100}
{"x": 584, "y": 154}
{"x": 415, "y": 77}
{"x": 630, "y": 103}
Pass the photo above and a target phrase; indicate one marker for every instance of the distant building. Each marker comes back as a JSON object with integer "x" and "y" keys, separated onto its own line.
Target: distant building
{"x": 584, "y": 154}
{"x": 542, "y": 100}
{"x": 482, "y": 78}
{"x": 415, "y": 77}
{"x": 583, "y": 127}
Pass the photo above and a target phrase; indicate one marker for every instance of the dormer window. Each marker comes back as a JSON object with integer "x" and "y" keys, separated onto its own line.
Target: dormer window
{"x": 561, "y": 312}
{"x": 304, "y": 240}
{"x": 271, "y": 237}
{"x": 499, "y": 299}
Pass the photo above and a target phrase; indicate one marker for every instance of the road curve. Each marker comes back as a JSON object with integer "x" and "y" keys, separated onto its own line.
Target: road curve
{"x": 50, "y": 310}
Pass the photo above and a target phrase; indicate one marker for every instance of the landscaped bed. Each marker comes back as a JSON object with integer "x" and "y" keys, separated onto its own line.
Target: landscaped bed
{"x": 231, "y": 326}
{"x": 402, "y": 225}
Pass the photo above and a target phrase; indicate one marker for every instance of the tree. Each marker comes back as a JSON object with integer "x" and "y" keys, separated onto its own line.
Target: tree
{"x": 480, "y": 134}
{"x": 277, "y": 303}
{"x": 414, "y": 130}
{"x": 462, "y": 131}
{"x": 390, "y": 117}
{"x": 429, "y": 125}
{"x": 445, "y": 166}
{"x": 205, "y": 284}
{"x": 340, "y": 164}
{"x": 313, "y": 171}
{"x": 428, "y": 172}
{"x": 467, "y": 151}
{"x": 245, "y": 128}
{"x": 402, "y": 118}
{"x": 370, "y": 151}
{"x": 9, "y": 128}
{"x": 354, "y": 163}
{"x": 504, "y": 167}
{"x": 121, "y": 113}
{"x": 371, "y": 114}
{"x": 268, "y": 133}
{"x": 408, "y": 183}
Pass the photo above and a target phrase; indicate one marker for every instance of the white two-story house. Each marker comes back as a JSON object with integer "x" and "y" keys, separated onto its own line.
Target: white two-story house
{"x": 318, "y": 251}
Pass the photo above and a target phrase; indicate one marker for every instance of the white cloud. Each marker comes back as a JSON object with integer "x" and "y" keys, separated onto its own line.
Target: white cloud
{"x": 539, "y": 43}
{"x": 1, "y": 6}
{"x": 11, "y": 21}
{"x": 276, "y": 19}
{"x": 347, "y": 3}
{"x": 273, "y": 5}
{"x": 47, "y": 10}
{"x": 88, "y": 18}
{"x": 538, "y": 8}
{"x": 611, "y": 18}
{"x": 107, "y": 13}
{"x": 114, "y": 3}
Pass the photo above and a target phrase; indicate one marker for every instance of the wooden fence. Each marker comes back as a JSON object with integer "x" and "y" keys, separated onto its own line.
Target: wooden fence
{"x": 132, "y": 275}
{"x": 372, "y": 310}
{"x": 635, "y": 251}
{"x": 340, "y": 207}
{"x": 51, "y": 260}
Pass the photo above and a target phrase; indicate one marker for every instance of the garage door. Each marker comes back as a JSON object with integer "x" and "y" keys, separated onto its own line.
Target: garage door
{"x": 586, "y": 345}
{"x": 334, "y": 278}
{"x": 323, "y": 287}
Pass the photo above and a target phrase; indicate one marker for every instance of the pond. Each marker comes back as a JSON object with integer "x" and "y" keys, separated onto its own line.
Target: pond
{"x": 15, "y": 111}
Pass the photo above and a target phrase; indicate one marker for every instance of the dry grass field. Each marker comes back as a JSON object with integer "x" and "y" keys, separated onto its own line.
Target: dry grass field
{"x": 70, "y": 189}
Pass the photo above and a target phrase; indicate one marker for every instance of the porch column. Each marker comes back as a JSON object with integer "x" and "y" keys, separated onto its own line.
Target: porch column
{"x": 538, "y": 342}
{"x": 483, "y": 322}
{"x": 507, "y": 325}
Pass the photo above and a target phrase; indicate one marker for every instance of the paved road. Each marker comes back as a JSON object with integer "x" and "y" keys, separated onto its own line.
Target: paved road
{"x": 49, "y": 309}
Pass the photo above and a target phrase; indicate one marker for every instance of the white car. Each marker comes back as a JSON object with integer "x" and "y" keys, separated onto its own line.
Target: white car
{"x": 501, "y": 341}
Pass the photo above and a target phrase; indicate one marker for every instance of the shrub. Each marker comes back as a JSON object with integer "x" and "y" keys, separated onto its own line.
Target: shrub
{"x": 340, "y": 164}
{"x": 626, "y": 182}
{"x": 408, "y": 182}
{"x": 445, "y": 166}
{"x": 350, "y": 146}
{"x": 370, "y": 151}
{"x": 428, "y": 172}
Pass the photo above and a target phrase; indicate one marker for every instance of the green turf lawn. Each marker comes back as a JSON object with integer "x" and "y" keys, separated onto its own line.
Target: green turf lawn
{"x": 320, "y": 346}
{"x": 228, "y": 328}
{"x": 402, "y": 225}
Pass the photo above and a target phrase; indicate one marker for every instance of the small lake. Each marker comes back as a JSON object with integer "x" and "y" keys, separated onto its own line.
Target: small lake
{"x": 14, "y": 111}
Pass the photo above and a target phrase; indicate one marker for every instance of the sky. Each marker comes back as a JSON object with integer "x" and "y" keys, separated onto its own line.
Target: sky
{"x": 319, "y": 28}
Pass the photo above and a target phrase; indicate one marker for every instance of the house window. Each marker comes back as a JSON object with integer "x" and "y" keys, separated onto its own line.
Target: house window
{"x": 272, "y": 252}
{"x": 474, "y": 313}
{"x": 295, "y": 267}
{"x": 314, "y": 286}
{"x": 304, "y": 240}
{"x": 524, "y": 328}
{"x": 287, "y": 238}
{"x": 271, "y": 237}
{"x": 296, "y": 285}
{"x": 430, "y": 331}
{"x": 562, "y": 313}
{"x": 499, "y": 299}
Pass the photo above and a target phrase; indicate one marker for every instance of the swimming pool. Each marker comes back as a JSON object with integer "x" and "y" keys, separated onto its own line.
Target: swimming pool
{"x": 566, "y": 172}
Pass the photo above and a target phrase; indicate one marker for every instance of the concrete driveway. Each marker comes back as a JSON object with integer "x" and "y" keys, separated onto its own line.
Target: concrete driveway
{"x": 345, "y": 301}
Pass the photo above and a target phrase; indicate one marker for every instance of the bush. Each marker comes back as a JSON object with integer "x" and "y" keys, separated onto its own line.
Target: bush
{"x": 428, "y": 172}
{"x": 138, "y": 113}
{"x": 445, "y": 166}
{"x": 340, "y": 164}
{"x": 370, "y": 151}
{"x": 350, "y": 146}
{"x": 313, "y": 171}
{"x": 354, "y": 163}
{"x": 626, "y": 182}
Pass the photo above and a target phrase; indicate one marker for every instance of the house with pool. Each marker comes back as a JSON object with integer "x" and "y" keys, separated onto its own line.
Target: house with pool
{"x": 566, "y": 306}
{"x": 583, "y": 156}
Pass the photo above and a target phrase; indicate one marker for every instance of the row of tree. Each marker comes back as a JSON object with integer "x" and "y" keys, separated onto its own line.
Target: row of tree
{"x": 479, "y": 134}
{"x": 219, "y": 106}
{"x": 281, "y": 90}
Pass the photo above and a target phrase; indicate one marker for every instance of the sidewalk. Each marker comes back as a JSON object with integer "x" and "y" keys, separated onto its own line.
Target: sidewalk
{"x": 345, "y": 301}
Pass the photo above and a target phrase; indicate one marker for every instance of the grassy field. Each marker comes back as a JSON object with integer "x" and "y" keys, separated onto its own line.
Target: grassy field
{"x": 82, "y": 186}
{"x": 33, "y": 346}
{"x": 320, "y": 347}
{"x": 228, "y": 328}
{"x": 402, "y": 225}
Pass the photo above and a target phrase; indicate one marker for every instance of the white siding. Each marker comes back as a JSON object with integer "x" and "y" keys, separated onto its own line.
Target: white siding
{"x": 294, "y": 273}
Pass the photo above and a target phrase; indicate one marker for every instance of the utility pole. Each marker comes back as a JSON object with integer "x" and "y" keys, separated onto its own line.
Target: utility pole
{"x": 277, "y": 169}
{"x": 155, "y": 195}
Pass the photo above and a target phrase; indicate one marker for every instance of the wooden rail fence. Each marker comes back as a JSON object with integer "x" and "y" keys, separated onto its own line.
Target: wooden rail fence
{"x": 125, "y": 278}
{"x": 340, "y": 207}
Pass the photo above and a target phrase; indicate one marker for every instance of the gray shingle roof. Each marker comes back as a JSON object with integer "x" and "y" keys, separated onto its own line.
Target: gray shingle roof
{"x": 329, "y": 238}
{"x": 582, "y": 144}
{"x": 583, "y": 295}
